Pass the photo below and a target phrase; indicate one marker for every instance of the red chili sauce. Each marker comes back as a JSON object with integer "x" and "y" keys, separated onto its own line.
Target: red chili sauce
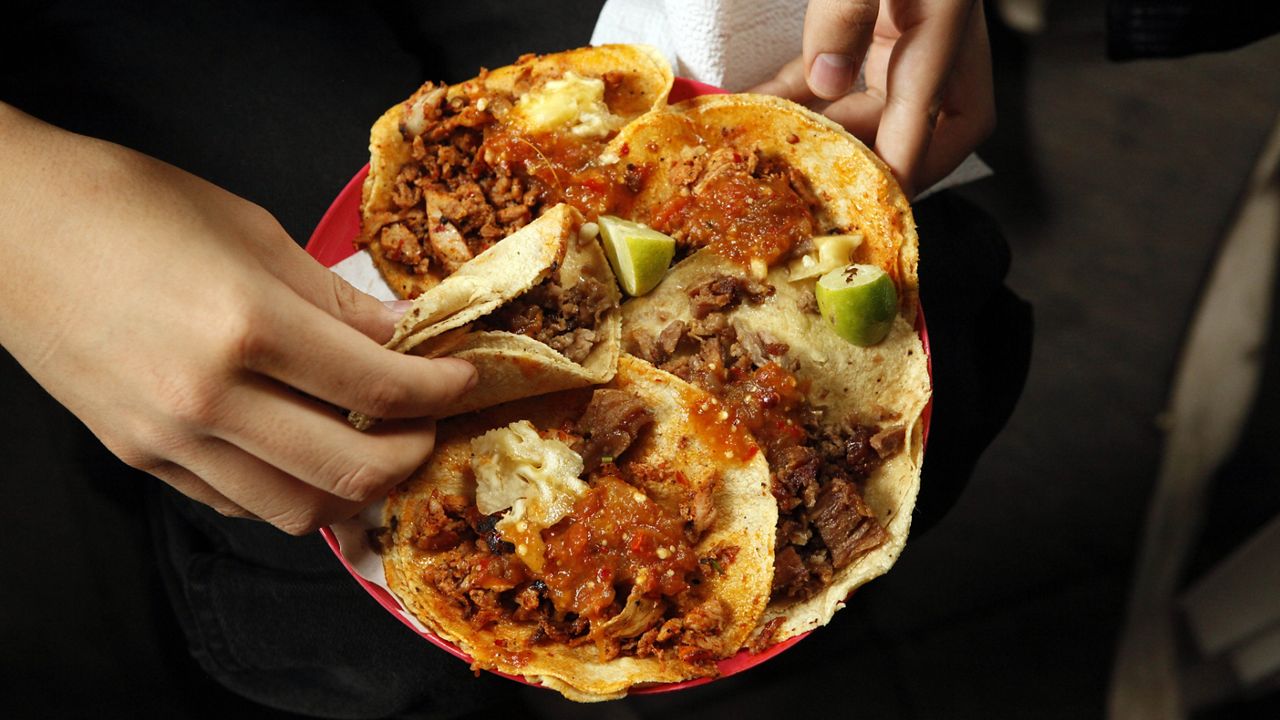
{"x": 743, "y": 217}
{"x": 615, "y": 536}
{"x": 562, "y": 169}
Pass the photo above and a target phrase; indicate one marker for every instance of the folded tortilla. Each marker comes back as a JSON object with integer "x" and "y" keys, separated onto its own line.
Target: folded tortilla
{"x": 885, "y": 386}
{"x": 443, "y": 168}
{"x": 462, "y": 316}
{"x": 676, "y": 464}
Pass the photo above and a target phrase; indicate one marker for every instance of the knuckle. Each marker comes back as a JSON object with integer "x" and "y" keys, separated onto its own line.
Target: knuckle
{"x": 246, "y": 341}
{"x": 344, "y": 297}
{"x": 299, "y": 521}
{"x": 364, "y": 482}
{"x": 151, "y": 444}
{"x": 191, "y": 399}
{"x": 385, "y": 398}
{"x": 259, "y": 221}
{"x": 134, "y": 456}
{"x": 230, "y": 510}
{"x": 857, "y": 15}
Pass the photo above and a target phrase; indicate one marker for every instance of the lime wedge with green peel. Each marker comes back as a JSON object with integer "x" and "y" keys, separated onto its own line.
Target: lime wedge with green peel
{"x": 638, "y": 253}
{"x": 859, "y": 302}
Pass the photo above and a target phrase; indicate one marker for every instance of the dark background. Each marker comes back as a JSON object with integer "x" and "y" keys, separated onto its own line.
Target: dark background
{"x": 1114, "y": 184}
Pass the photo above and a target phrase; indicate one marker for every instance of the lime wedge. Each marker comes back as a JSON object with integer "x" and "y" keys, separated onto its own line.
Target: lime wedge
{"x": 859, "y": 302}
{"x": 638, "y": 253}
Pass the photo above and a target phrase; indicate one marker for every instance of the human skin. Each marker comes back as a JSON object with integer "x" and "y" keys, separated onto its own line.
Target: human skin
{"x": 195, "y": 338}
{"x": 929, "y": 99}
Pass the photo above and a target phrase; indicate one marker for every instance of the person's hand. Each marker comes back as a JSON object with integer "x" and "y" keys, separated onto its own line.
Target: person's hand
{"x": 185, "y": 328}
{"x": 929, "y": 99}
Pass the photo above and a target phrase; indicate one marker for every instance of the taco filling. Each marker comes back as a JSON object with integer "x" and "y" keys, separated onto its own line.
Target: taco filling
{"x": 566, "y": 320}
{"x": 745, "y": 205}
{"x": 818, "y": 467}
{"x": 561, "y": 539}
{"x": 482, "y": 163}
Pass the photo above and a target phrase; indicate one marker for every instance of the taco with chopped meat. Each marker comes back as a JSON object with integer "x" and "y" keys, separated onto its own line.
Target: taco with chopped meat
{"x": 455, "y": 168}
{"x": 763, "y": 197}
{"x": 592, "y": 540}
{"x": 535, "y": 313}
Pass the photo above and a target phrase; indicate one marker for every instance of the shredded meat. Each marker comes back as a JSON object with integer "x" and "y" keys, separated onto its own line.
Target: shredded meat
{"x": 788, "y": 569}
{"x": 724, "y": 292}
{"x": 440, "y": 525}
{"x": 809, "y": 303}
{"x": 400, "y": 243}
{"x": 470, "y": 202}
{"x": 818, "y": 465}
{"x": 564, "y": 320}
{"x": 847, "y": 526}
{"x": 889, "y": 441}
{"x": 657, "y": 350}
{"x": 448, "y": 246}
{"x": 795, "y": 477}
{"x": 639, "y": 614}
{"x": 761, "y": 346}
{"x": 669, "y": 338}
{"x": 612, "y": 421}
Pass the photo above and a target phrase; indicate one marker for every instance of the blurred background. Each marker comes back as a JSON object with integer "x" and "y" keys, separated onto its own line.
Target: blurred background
{"x": 1117, "y": 550}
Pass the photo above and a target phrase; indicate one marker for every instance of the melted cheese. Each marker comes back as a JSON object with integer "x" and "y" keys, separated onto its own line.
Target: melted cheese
{"x": 573, "y": 102}
{"x": 829, "y": 252}
{"x": 536, "y": 477}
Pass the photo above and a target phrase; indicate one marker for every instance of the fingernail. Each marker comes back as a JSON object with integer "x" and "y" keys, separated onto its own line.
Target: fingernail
{"x": 395, "y": 309}
{"x": 831, "y": 75}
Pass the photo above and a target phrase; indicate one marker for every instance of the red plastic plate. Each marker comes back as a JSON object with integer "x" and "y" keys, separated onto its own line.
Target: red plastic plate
{"x": 333, "y": 242}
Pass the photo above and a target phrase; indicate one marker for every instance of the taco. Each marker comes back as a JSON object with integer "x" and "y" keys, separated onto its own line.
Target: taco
{"x": 535, "y": 313}
{"x": 455, "y": 168}
{"x": 592, "y": 540}
{"x": 762, "y": 197}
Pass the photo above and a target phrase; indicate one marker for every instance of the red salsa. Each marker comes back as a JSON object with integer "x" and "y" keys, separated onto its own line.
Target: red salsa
{"x": 615, "y": 537}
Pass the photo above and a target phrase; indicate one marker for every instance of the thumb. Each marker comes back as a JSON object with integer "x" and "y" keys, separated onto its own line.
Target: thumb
{"x": 837, "y": 34}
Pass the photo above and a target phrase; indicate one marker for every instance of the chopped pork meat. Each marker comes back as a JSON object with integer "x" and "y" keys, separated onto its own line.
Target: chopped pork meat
{"x": 612, "y": 421}
{"x": 564, "y": 320}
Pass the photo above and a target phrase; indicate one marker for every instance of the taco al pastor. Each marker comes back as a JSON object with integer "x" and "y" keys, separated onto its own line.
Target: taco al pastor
{"x": 592, "y": 540}
{"x": 455, "y": 168}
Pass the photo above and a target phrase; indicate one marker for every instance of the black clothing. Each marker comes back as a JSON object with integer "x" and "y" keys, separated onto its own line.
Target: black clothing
{"x": 1139, "y": 29}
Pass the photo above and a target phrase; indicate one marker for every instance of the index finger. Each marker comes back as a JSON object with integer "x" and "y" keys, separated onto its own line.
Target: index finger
{"x": 921, "y": 61}
{"x": 304, "y": 347}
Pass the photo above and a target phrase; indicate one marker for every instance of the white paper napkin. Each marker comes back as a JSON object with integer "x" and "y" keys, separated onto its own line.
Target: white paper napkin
{"x": 360, "y": 271}
{"x": 732, "y": 44}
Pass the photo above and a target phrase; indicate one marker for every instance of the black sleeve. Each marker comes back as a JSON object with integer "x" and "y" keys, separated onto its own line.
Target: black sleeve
{"x": 1176, "y": 28}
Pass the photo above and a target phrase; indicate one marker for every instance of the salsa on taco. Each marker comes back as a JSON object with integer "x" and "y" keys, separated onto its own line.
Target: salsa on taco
{"x": 592, "y": 540}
